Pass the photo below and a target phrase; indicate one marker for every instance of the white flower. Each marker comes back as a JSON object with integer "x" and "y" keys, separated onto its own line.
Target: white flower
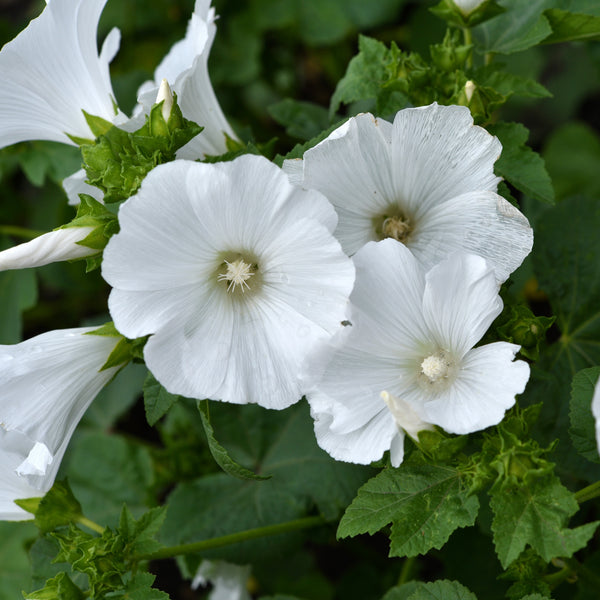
{"x": 466, "y": 7}
{"x": 52, "y": 70}
{"x": 596, "y": 411}
{"x": 412, "y": 335}
{"x": 185, "y": 68}
{"x": 236, "y": 274}
{"x": 47, "y": 384}
{"x": 54, "y": 246}
{"x": 427, "y": 181}
{"x": 229, "y": 580}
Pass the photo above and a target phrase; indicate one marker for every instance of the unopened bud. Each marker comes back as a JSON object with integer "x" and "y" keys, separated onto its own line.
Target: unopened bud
{"x": 50, "y": 247}
{"x": 466, "y": 7}
{"x": 165, "y": 95}
{"x": 469, "y": 89}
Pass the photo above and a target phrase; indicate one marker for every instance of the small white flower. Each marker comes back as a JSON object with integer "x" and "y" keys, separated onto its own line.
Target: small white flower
{"x": 47, "y": 384}
{"x": 52, "y": 70}
{"x": 236, "y": 274}
{"x": 412, "y": 335}
{"x": 54, "y": 246}
{"x": 185, "y": 68}
{"x": 466, "y": 7}
{"x": 228, "y": 580}
{"x": 427, "y": 180}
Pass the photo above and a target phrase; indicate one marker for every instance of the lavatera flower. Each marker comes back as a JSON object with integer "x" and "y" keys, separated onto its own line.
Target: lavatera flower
{"x": 411, "y": 336}
{"x": 234, "y": 272}
{"x": 427, "y": 180}
{"x": 47, "y": 383}
{"x": 52, "y": 71}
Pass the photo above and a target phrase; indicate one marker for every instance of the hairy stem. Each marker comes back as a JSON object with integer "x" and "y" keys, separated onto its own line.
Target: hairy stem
{"x": 588, "y": 493}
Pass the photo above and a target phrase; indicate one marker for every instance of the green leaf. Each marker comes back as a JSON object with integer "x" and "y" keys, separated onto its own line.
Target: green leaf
{"x": 219, "y": 453}
{"x": 509, "y": 84}
{"x": 535, "y": 514}
{"x": 403, "y": 592}
{"x": 571, "y": 27}
{"x": 522, "y": 25}
{"x": 57, "y": 508}
{"x": 140, "y": 588}
{"x": 58, "y": 588}
{"x": 572, "y": 155}
{"x": 303, "y": 120}
{"x": 366, "y": 73}
{"x": 157, "y": 401}
{"x": 138, "y": 535}
{"x": 442, "y": 590}
{"x": 41, "y": 160}
{"x": 519, "y": 164}
{"x": 424, "y": 503}
{"x": 583, "y": 423}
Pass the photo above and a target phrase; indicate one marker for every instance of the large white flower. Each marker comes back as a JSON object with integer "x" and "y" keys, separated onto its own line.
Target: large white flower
{"x": 412, "y": 336}
{"x": 596, "y": 411}
{"x": 47, "y": 383}
{"x": 427, "y": 180}
{"x": 236, "y": 274}
{"x": 52, "y": 70}
{"x": 185, "y": 68}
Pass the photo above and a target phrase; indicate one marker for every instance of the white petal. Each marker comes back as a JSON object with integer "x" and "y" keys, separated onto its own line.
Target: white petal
{"x": 54, "y": 246}
{"x": 37, "y": 461}
{"x": 406, "y": 418}
{"x": 51, "y": 71}
{"x": 362, "y": 445}
{"x": 480, "y": 223}
{"x": 185, "y": 68}
{"x": 438, "y": 154}
{"x": 353, "y": 168}
{"x": 75, "y": 184}
{"x": 484, "y": 389}
{"x": 460, "y": 302}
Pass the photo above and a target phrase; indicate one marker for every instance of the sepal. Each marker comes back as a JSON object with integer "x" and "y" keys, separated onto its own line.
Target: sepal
{"x": 453, "y": 15}
{"x": 125, "y": 351}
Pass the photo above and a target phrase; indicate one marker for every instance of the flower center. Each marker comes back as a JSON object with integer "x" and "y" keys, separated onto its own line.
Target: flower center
{"x": 437, "y": 371}
{"x": 397, "y": 227}
{"x": 237, "y": 274}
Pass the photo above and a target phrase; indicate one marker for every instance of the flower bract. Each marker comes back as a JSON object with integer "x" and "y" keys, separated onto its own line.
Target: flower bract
{"x": 47, "y": 384}
{"x": 412, "y": 335}
{"x": 52, "y": 71}
{"x": 234, "y": 272}
{"x": 427, "y": 180}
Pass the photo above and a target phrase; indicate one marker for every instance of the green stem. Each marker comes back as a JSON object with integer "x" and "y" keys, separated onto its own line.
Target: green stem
{"x": 91, "y": 525}
{"x": 407, "y": 569}
{"x": 587, "y": 493}
{"x": 582, "y": 571}
{"x": 555, "y": 579}
{"x": 468, "y": 42}
{"x": 20, "y": 232}
{"x": 233, "y": 538}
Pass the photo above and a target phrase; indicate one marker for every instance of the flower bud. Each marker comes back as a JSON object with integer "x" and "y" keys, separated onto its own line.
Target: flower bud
{"x": 165, "y": 94}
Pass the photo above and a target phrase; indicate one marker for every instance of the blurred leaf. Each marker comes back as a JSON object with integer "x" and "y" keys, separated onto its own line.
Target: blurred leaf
{"x": 303, "y": 120}
{"x": 15, "y": 570}
{"x": 583, "y": 423}
{"x": 58, "y": 588}
{"x": 519, "y": 164}
{"x": 18, "y": 292}
{"x": 219, "y": 453}
{"x": 106, "y": 471}
{"x": 424, "y": 503}
{"x": 572, "y": 156}
{"x": 569, "y": 27}
{"x": 403, "y": 592}
{"x": 41, "y": 160}
{"x": 281, "y": 443}
{"x": 535, "y": 514}
{"x": 522, "y": 25}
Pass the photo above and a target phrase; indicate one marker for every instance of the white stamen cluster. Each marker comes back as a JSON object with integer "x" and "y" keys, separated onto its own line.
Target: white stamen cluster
{"x": 238, "y": 273}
